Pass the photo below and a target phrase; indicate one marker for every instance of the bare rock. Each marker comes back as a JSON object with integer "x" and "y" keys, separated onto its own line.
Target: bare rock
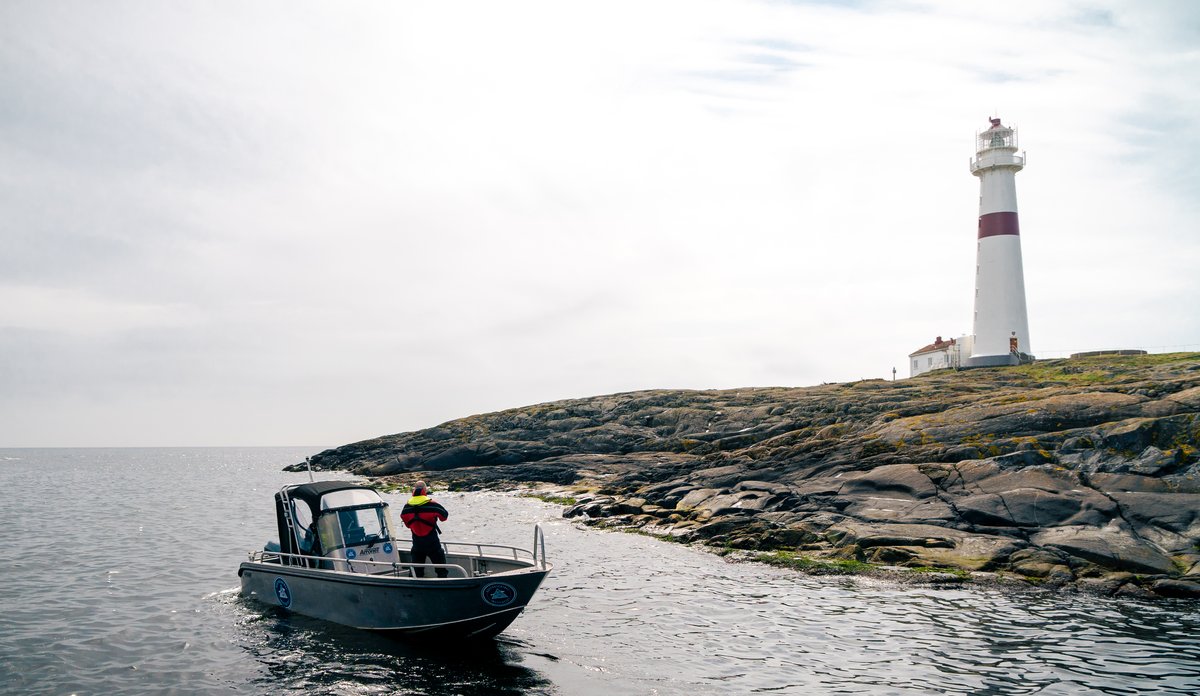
{"x": 1036, "y": 507}
{"x": 1109, "y": 547}
{"x": 1064, "y": 470}
{"x": 1168, "y": 587}
{"x": 976, "y": 552}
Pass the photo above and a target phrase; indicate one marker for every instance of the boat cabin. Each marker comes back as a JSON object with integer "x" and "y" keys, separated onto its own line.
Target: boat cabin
{"x": 333, "y": 525}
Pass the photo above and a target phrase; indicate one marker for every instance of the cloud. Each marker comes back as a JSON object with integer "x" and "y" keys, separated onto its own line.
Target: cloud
{"x": 79, "y": 312}
{"x": 371, "y": 218}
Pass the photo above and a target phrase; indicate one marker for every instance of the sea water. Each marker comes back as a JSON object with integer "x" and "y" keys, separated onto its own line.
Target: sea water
{"x": 119, "y": 576}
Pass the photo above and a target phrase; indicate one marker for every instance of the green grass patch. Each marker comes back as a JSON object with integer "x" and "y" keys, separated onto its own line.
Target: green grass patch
{"x": 1097, "y": 369}
{"x": 807, "y": 564}
{"x": 671, "y": 538}
{"x": 956, "y": 572}
{"x": 386, "y": 486}
{"x": 548, "y": 498}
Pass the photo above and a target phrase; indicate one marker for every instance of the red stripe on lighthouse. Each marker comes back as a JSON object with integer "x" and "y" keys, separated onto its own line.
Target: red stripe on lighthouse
{"x": 994, "y": 224}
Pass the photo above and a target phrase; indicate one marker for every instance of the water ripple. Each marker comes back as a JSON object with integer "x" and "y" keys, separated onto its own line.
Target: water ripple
{"x": 141, "y": 597}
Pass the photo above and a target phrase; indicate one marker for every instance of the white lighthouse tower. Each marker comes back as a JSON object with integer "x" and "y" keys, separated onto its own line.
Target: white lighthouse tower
{"x": 1001, "y": 327}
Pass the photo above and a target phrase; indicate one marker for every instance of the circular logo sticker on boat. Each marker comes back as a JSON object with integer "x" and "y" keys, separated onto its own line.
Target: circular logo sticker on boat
{"x": 283, "y": 593}
{"x": 387, "y": 548}
{"x": 351, "y": 554}
{"x": 499, "y": 594}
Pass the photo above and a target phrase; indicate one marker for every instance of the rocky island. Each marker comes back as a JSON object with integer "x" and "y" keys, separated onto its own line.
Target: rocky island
{"x": 1080, "y": 472}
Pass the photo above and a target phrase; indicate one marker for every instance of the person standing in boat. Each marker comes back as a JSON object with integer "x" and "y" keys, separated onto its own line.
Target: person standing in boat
{"x": 421, "y": 515}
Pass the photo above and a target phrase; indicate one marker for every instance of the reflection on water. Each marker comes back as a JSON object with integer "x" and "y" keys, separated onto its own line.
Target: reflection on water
{"x": 121, "y": 578}
{"x": 306, "y": 656}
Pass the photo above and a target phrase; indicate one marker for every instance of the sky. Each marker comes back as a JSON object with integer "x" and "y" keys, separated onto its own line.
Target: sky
{"x": 312, "y": 223}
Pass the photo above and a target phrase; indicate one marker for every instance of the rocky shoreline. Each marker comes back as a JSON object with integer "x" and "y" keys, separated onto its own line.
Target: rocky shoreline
{"x": 1080, "y": 473}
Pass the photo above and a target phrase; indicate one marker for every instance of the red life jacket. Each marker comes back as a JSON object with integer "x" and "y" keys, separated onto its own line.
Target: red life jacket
{"x": 421, "y": 514}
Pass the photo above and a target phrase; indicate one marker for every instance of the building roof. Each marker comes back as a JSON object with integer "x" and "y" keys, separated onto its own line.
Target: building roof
{"x": 935, "y": 347}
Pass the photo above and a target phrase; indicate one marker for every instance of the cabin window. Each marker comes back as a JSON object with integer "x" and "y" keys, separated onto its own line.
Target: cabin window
{"x": 352, "y": 530}
{"x": 305, "y": 534}
{"x": 361, "y": 526}
{"x": 357, "y": 527}
{"x": 375, "y": 524}
{"x": 331, "y": 534}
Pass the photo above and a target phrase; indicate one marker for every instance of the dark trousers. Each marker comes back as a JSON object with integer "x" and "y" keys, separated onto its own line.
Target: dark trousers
{"x": 428, "y": 546}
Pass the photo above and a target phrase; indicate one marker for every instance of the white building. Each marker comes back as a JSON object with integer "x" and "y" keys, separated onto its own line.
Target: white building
{"x": 939, "y": 355}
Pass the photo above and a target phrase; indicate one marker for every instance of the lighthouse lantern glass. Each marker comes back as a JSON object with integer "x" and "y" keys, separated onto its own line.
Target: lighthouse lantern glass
{"x": 997, "y": 137}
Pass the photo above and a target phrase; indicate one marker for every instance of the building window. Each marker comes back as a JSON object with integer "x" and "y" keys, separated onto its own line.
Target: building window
{"x": 930, "y": 362}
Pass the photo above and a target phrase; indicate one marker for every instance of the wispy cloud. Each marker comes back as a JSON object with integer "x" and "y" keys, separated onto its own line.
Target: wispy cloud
{"x": 214, "y": 212}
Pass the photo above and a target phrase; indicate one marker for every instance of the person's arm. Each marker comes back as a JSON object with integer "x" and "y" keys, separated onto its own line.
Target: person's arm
{"x": 440, "y": 511}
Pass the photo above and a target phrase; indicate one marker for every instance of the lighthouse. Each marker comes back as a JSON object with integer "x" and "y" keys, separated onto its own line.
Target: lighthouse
{"x": 1001, "y": 326}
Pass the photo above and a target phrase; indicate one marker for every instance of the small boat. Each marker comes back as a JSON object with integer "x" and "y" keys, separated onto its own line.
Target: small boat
{"x": 339, "y": 559}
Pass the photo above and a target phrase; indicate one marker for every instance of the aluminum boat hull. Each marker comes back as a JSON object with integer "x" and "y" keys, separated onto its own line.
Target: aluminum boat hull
{"x": 475, "y": 607}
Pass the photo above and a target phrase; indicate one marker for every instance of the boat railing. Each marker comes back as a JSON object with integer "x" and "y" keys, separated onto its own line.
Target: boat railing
{"x": 539, "y": 547}
{"x": 497, "y": 550}
{"x": 536, "y": 557}
{"x": 382, "y": 567}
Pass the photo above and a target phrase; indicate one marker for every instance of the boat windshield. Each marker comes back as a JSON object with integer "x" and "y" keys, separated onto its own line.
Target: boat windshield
{"x": 354, "y": 527}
